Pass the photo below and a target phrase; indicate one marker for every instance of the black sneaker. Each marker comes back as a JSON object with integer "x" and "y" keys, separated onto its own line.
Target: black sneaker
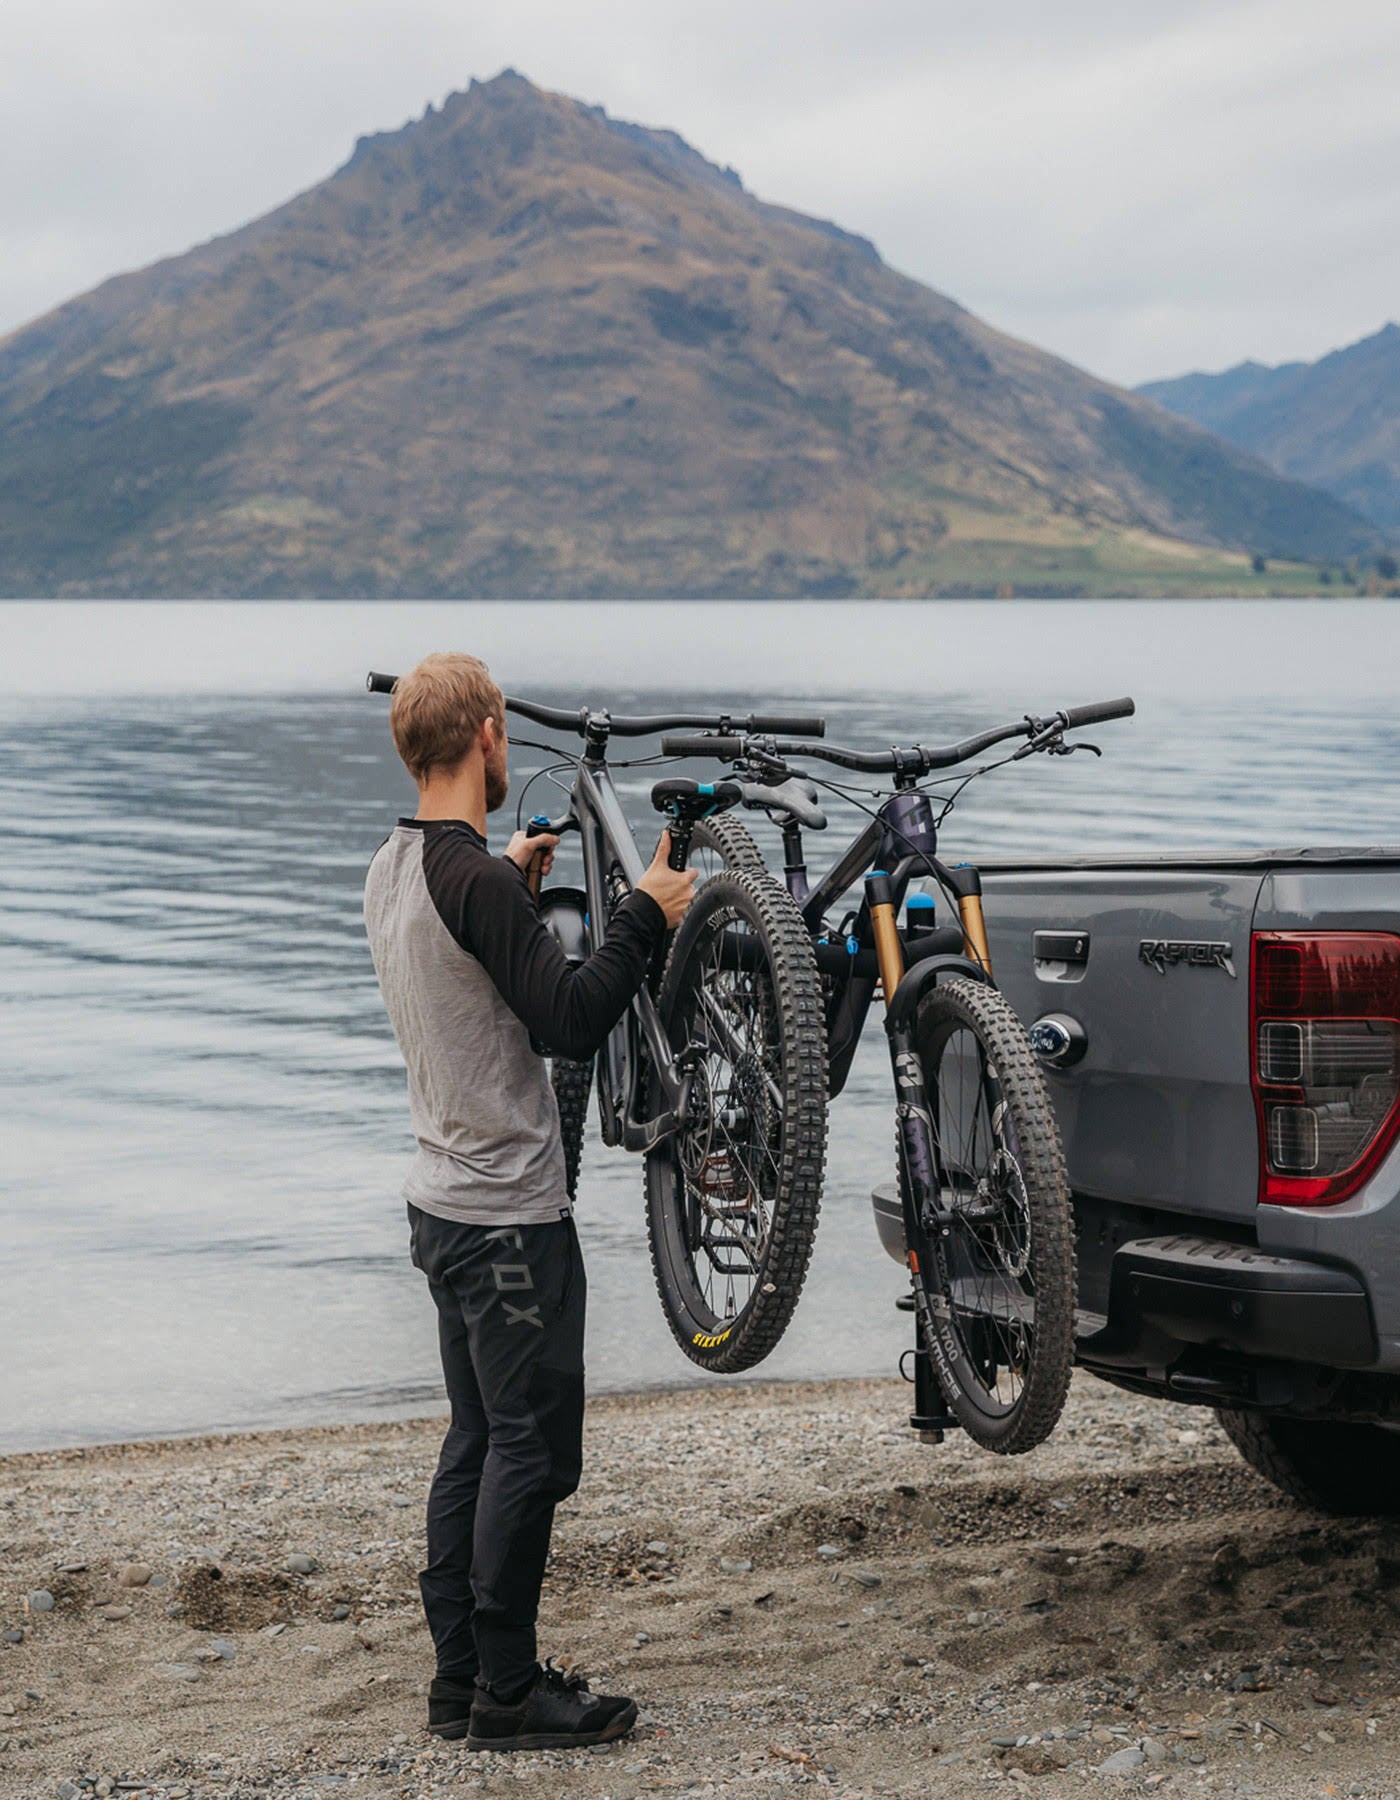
{"x": 450, "y": 1706}
{"x": 558, "y": 1710}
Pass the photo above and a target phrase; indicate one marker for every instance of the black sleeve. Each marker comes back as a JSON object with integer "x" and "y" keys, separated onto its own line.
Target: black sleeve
{"x": 486, "y": 905}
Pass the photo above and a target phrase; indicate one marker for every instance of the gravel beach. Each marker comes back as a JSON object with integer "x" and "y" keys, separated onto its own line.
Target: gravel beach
{"x": 797, "y": 1592}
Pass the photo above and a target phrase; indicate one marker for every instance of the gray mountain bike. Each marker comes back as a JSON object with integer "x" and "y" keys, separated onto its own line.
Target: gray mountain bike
{"x": 716, "y": 1074}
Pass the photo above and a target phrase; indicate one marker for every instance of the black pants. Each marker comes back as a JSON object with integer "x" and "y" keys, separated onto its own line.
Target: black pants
{"x": 511, "y": 1302}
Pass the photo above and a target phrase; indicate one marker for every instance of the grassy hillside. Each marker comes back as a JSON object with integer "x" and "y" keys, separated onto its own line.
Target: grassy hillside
{"x": 518, "y": 348}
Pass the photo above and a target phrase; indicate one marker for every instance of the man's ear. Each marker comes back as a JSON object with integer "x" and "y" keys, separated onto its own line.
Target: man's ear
{"x": 489, "y": 737}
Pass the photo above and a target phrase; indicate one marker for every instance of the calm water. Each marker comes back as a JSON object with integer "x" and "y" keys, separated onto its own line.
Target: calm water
{"x": 202, "y": 1110}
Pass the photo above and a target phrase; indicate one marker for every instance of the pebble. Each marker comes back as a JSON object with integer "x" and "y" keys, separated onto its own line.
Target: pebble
{"x": 865, "y": 1578}
{"x": 299, "y": 1563}
{"x": 642, "y": 1637}
{"x": 115, "y": 1613}
{"x": 135, "y": 1575}
{"x": 340, "y": 1612}
{"x": 737, "y": 1565}
{"x": 1122, "y": 1762}
{"x": 830, "y": 1550}
{"x": 181, "y": 1671}
{"x": 396, "y": 1500}
{"x": 40, "y": 1601}
{"x": 659, "y": 1547}
{"x": 15, "y": 1635}
{"x": 1154, "y": 1749}
{"x": 68, "y": 1790}
{"x": 223, "y": 1649}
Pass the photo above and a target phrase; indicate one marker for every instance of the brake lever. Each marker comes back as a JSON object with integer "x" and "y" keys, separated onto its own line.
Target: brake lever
{"x": 1061, "y": 748}
{"x": 1043, "y": 737}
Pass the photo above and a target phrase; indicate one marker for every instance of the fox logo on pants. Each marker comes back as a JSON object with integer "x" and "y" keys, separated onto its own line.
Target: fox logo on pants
{"x": 513, "y": 1278}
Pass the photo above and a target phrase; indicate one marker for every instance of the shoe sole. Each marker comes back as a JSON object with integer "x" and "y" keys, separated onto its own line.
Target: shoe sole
{"x": 449, "y": 1731}
{"x": 561, "y": 1740}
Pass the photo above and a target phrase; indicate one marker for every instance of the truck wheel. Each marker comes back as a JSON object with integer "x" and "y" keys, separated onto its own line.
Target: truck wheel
{"x": 1347, "y": 1469}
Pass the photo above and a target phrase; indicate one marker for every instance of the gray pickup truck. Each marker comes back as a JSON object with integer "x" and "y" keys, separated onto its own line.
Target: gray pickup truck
{"x": 1221, "y": 1037}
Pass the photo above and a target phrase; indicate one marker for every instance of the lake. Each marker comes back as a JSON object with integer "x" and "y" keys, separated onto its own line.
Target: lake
{"x": 204, "y": 1124}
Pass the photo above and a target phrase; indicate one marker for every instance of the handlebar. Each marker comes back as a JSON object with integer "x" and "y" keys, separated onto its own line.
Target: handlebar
{"x": 728, "y": 747}
{"x": 560, "y": 719}
{"x": 1099, "y": 713}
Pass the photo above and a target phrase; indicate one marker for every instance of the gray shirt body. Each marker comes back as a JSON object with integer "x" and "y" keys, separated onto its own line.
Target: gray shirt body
{"x": 468, "y": 972}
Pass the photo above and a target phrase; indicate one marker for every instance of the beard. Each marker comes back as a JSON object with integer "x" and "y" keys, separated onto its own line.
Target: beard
{"x": 497, "y": 781}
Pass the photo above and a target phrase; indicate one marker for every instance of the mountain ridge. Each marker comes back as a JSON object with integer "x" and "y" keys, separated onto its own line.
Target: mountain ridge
{"x": 515, "y": 347}
{"x": 1334, "y": 423}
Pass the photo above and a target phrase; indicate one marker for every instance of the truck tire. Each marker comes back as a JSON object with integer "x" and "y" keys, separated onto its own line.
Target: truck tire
{"x": 1348, "y": 1469}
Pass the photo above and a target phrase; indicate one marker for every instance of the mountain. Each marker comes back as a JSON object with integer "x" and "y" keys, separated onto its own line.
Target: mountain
{"x": 1334, "y": 423}
{"x": 521, "y": 348}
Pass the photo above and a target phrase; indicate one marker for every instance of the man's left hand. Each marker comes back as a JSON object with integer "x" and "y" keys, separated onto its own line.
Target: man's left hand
{"x": 522, "y": 850}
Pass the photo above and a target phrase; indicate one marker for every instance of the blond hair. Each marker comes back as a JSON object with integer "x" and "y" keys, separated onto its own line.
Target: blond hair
{"x": 438, "y": 710}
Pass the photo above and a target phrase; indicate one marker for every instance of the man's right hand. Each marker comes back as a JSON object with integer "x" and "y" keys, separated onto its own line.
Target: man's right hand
{"x": 671, "y": 889}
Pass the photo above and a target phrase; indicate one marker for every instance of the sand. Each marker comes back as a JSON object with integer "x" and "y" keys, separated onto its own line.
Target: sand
{"x": 797, "y": 1592}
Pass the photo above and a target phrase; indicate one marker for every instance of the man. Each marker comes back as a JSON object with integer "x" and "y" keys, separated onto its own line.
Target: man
{"x": 469, "y": 974}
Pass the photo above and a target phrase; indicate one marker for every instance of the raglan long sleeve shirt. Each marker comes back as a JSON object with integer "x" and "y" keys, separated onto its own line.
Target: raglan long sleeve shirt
{"x": 469, "y": 973}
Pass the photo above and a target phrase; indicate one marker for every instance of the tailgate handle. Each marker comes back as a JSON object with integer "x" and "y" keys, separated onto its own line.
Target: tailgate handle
{"x": 1061, "y": 946}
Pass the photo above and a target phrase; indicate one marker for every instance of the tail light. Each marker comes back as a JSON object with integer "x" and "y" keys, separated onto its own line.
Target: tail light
{"x": 1325, "y": 1029}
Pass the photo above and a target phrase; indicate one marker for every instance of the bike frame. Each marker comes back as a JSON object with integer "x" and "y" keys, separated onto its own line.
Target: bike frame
{"x": 897, "y": 844}
{"x": 612, "y": 866}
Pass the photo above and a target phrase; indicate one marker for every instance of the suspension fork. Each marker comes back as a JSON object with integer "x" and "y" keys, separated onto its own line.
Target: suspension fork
{"x": 966, "y": 883}
{"x": 921, "y": 1187}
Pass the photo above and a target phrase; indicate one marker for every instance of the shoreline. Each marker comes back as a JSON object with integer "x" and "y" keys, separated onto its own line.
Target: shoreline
{"x": 230, "y": 1435}
{"x": 797, "y": 1593}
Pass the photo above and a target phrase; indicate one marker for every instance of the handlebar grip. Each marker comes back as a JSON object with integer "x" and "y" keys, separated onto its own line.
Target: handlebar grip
{"x": 680, "y": 843}
{"x": 685, "y": 745}
{"x": 788, "y": 725}
{"x": 380, "y": 684}
{"x": 1097, "y": 713}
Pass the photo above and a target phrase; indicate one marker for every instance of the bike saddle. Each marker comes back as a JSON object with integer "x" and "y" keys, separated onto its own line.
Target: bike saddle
{"x": 794, "y": 796}
{"x": 691, "y": 800}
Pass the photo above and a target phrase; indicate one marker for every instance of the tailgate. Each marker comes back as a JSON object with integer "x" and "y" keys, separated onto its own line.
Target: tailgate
{"x": 1153, "y": 964}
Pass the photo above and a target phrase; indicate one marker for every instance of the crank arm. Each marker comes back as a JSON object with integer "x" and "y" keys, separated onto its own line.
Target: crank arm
{"x": 647, "y": 1134}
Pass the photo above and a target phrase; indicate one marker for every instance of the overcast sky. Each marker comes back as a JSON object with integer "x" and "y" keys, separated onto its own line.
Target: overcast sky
{"x": 1142, "y": 187}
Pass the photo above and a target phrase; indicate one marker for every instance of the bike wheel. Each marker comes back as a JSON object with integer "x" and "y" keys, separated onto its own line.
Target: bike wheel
{"x": 722, "y": 843}
{"x": 732, "y": 1198}
{"x": 571, "y": 1082}
{"x": 1000, "y": 1268}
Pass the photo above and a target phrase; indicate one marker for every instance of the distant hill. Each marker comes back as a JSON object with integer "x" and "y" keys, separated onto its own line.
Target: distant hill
{"x": 1334, "y": 423}
{"x": 520, "y": 348}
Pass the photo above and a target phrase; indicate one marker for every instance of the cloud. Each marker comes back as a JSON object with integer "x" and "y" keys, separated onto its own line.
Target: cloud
{"x": 1142, "y": 189}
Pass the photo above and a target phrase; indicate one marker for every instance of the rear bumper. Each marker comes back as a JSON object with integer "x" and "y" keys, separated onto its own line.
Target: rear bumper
{"x": 1171, "y": 1297}
{"x": 1167, "y": 1294}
